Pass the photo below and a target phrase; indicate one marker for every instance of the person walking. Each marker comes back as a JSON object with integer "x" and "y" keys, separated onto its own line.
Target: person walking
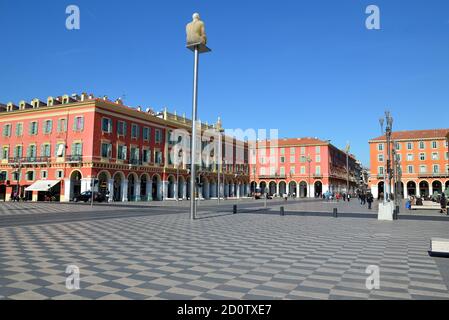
{"x": 369, "y": 199}
{"x": 443, "y": 203}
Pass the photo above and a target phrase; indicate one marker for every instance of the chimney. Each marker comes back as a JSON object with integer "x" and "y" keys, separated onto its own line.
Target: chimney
{"x": 84, "y": 96}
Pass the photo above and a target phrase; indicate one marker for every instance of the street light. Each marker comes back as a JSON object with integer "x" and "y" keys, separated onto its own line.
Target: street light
{"x": 220, "y": 130}
{"x": 178, "y": 161}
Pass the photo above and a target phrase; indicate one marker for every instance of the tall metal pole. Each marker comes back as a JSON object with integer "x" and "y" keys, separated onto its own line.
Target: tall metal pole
{"x": 219, "y": 166}
{"x": 309, "y": 160}
{"x": 347, "y": 169}
{"x": 194, "y": 133}
{"x": 387, "y": 195}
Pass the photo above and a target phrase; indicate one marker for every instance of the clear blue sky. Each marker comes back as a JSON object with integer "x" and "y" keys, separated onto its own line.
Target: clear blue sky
{"x": 309, "y": 68}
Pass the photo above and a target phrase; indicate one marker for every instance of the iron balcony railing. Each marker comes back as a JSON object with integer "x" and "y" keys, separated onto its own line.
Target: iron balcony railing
{"x": 433, "y": 175}
{"x": 74, "y": 158}
{"x": 28, "y": 160}
{"x": 135, "y": 162}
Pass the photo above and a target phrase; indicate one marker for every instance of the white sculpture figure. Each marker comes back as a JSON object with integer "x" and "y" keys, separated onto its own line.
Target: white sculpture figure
{"x": 196, "y": 31}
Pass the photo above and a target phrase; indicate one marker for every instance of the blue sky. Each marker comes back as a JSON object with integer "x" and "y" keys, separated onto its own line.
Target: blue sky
{"x": 309, "y": 68}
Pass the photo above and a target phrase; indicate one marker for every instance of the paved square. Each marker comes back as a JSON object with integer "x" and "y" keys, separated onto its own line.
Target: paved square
{"x": 245, "y": 256}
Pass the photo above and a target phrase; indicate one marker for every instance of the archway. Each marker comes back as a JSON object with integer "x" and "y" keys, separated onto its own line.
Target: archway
{"x": 103, "y": 181}
{"x": 411, "y": 188}
{"x": 143, "y": 187}
{"x": 437, "y": 187}
{"x": 318, "y": 189}
{"x": 132, "y": 187}
{"x": 424, "y": 189}
{"x": 156, "y": 190}
{"x": 272, "y": 188}
{"x": 118, "y": 180}
{"x": 381, "y": 189}
{"x": 171, "y": 187}
{"x": 303, "y": 189}
{"x": 75, "y": 184}
{"x": 292, "y": 189}
{"x": 253, "y": 187}
{"x": 181, "y": 182}
{"x": 282, "y": 188}
{"x": 263, "y": 187}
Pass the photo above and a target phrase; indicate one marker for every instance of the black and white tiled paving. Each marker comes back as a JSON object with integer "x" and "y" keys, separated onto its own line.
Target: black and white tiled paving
{"x": 244, "y": 256}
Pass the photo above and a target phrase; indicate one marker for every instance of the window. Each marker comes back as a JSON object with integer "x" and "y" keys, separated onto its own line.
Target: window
{"x": 422, "y": 145}
{"x": 263, "y": 171}
{"x": 60, "y": 150}
{"x": 380, "y": 147}
{"x": 62, "y": 125}
{"x": 399, "y": 157}
{"x": 434, "y": 145}
{"x": 158, "y": 136}
{"x": 381, "y": 171}
{"x": 282, "y": 159}
{"x": 282, "y": 171}
{"x": 303, "y": 159}
{"x": 134, "y": 131}
{"x": 31, "y": 151}
{"x": 122, "y": 152}
{"x": 292, "y": 170}
{"x": 106, "y": 150}
{"x": 59, "y": 174}
{"x": 48, "y": 124}
{"x": 33, "y": 128}
{"x": 318, "y": 158}
{"x": 46, "y": 150}
{"x": 16, "y": 176}
{"x": 292, "y": 159}
{"x": 303, "y": 170}
{"x": 435, "y": 156}
{"x": 409, "y": 145}
{"x": 30, "y": 175}
{"x": 447, "y": 156}
{"x": 380, "y": 158}
{"x": 409, "y": 169}
{"x": 5, "y": 153}
{"x": 422, "y": 156}
{"x": 318, "y": 150}
{"x": 121, "y": 128}
{"x": 318, "y": 170}
{"x": 78, "y": 124}
{"x": 282, "y": 151}
{"x": 146, "y": 156}
{"x": 18, "y": 152}
{"x": 44, "y": 174}
{"x": 398, "y": 146}
{"x": 146, "y": 134}
{"x": 7, "y": 130}
{"x": 158, "y": 157}
{"x": 436, "y": 168}
{"x": 422, "y": 169}
{"x": 292, "y": 151}
{"x": 272, "y": 171}
{"x": 106, "y": 125}
{"x": 447, "y": 168}
{"x": 19, "y": 129}
{"x": 410, "y": 157}
{"x": 134, "y": 155}
{"x": 77, "y": 149}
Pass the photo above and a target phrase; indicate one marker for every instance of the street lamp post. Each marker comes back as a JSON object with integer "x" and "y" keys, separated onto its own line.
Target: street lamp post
{"x": 220, "y": 160}
{"x": 347, "y": 167}
{"x": 196, "y": 42}
{"x": 388, "y": 132}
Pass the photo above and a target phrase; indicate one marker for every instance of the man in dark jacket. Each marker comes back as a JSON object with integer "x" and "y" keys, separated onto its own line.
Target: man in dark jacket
{"x": 369, "y": 199}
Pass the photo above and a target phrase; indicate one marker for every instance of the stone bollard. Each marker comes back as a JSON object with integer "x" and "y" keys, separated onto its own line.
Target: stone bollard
{"x": 234, "y": 210}
{"x": 282, "y": 211}
{"x": 335, "y": 213}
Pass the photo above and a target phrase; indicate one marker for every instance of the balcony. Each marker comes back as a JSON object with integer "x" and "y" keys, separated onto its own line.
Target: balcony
{"x": 433, "y": 175}
{"x": 29, "y": 161}
{"x": 273, "y": 176}
{"x": 135, "y": 162}
{"x": 317, "y": 176}
{"x": 380, "y": 176}
{"x": 74, "y": 159}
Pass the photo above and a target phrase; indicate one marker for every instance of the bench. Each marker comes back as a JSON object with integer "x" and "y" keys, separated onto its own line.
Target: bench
{"x": 439, "y": 246}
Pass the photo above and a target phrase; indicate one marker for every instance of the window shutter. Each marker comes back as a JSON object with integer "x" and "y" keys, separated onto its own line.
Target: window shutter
{"x": 124, "y": 153}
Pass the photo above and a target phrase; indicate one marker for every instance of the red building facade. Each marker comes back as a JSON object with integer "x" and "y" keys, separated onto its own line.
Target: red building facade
{"x": 302, "y": 167}
{"x": 71, "y": 144}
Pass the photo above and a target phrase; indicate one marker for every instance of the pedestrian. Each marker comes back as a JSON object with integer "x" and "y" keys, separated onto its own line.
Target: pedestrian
{"x": 369, "y": 199}
{"x": 443, "y": 203}
{"x": 349, "y": 197}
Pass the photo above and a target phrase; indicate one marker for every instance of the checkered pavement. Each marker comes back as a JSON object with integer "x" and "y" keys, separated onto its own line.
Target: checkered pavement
{"x": 21, "y": 208}
{"x": 244, "y": 256}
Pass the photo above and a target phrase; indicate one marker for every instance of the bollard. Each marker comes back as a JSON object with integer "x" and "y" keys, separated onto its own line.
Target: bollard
{"x": 395, "y": 214}
{"x": 335, "y": 213}
{"x": 234, "y": 210}
{"x": 282, "y": 212}
{"x": 397, "y": 210}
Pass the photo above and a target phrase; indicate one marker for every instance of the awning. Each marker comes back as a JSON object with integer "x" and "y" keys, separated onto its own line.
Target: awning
{"x": 42, "y": 185}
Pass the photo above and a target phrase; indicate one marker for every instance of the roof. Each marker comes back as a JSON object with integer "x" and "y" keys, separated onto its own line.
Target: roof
{"x": 416, "y": 135}
{"x": 294, "y": 142}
